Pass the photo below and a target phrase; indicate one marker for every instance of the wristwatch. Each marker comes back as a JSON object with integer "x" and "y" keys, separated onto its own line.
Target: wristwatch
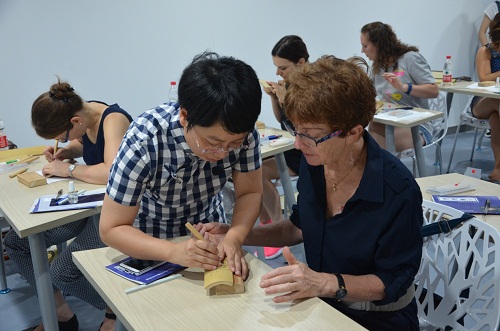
{"x": 341, "y": 292}
{"x": 70, "y": 170}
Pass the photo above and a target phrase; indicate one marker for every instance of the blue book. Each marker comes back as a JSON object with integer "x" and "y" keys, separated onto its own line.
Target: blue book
{"x": 158, "y": 272}
{"x": 471, "y": 204}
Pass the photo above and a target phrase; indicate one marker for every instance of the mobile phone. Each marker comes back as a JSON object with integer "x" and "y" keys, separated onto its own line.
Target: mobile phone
{"x": 138, "y": 267}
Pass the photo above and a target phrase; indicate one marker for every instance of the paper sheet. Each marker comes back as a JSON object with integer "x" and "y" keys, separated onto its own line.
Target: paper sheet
{"x": 488, "y": 88}
{"x": 413, "y": 116}
{"x": 90, "y": 199}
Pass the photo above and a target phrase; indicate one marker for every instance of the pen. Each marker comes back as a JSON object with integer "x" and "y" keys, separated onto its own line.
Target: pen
{"x": 486, "y": 209}
{"x": 270, "y": 137}
{"x": 396, "y": 108}
{"x": 55, "y": 147}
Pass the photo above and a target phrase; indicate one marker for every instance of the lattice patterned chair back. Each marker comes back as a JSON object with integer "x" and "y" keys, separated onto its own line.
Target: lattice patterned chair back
{"x": 458, "y": 283}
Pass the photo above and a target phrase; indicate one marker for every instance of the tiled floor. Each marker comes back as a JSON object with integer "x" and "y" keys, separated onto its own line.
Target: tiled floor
{"x": 19, "y": 308}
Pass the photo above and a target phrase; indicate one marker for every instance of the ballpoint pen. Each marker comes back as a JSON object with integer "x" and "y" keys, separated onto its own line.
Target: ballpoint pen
{"x": 486, "y": 209}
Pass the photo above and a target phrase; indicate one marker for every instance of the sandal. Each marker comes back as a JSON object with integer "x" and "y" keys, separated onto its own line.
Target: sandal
{"x": 110, "y": 316}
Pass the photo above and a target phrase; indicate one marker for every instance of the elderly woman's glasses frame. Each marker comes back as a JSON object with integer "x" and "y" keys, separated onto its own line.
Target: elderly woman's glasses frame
{"x": 307, "y": 140}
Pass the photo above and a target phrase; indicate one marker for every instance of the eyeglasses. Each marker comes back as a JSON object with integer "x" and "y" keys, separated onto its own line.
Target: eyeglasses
{"x": 67, "y": 135}
{"x": 307, "y": 140}
{"x": 218, "y": 150}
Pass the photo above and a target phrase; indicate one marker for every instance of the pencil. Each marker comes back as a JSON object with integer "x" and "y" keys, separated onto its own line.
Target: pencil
{"x": 55, "y": 147}
{"x": 12, "y": 175}
{"x": 194, "y": 231}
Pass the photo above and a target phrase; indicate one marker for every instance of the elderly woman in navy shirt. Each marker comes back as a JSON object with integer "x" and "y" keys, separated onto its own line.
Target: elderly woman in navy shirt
{"x": 359, "y": 210}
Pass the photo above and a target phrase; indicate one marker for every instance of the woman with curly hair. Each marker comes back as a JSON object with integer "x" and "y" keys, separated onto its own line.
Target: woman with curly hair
{"x": 400, "y": 75}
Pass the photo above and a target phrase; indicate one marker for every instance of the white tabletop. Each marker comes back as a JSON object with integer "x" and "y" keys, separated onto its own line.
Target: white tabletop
{"x": 182, "y": 304}
{"x": 461, "y": 88}
{"x": 410, "y": 121}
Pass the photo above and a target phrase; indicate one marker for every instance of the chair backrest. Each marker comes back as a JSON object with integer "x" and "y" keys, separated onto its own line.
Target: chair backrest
{"x": 440, "y": 126}
{"x": 458, "y": 283}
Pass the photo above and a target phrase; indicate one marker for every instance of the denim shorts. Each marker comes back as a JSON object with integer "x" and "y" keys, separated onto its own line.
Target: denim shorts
{"x": 426, "y": 135}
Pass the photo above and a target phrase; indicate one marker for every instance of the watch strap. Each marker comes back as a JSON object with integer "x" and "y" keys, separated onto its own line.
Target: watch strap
{"x": 342, "y": 291}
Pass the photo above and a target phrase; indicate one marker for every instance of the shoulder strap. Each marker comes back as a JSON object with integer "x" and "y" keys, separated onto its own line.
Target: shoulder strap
{"x": 444, "y": 226}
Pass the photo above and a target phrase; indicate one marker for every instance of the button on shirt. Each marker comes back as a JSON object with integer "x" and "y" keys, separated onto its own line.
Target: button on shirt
{"x": 156, "y": 168}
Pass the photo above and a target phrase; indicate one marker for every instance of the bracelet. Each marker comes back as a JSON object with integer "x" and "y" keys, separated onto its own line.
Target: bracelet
{"x": 410, "y": 87}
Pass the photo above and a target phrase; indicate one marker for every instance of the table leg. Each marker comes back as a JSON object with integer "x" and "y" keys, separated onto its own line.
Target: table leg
{"x": 390, "y": 145}
{"x": 449, "y": 99}
{"x": 3, "y": 280}
{"x": 43, "y": 282}
{"x": 419, "y": 151}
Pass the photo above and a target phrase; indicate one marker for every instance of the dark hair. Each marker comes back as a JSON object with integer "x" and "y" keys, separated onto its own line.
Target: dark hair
{"x": 332, "y": 91}
{"x": 221, "y": 90}
{"x": 494, "y": 31}
{"x": 291, "y": 48}
{"x": 389, "y": 47}
{"x": 52, "y": 111}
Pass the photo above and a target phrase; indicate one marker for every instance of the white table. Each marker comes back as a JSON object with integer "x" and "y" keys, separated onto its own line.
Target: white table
{"x": 182, "y": 304}
{"x": 15, "y": 202}
{"x": 413, "y": 124}
{"x": 461, "y": 88}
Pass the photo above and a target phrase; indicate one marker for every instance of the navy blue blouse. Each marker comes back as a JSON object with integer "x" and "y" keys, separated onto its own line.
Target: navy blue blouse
{"x": 378, "y": 232}
{"x": 94, "y": 153}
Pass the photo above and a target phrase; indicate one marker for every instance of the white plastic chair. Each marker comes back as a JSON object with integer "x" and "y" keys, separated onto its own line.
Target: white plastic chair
{"x": 458, "y": 283}
{"x": 440, "y": 129}
{"x": 466, "y": 118}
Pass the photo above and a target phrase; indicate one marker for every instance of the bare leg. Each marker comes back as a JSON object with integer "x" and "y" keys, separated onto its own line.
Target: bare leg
{"x": 271, "y": 206}
{"x": 495, "y": 145}
{"x": 402, "y": 137}
{"x": 108, "y": 324}
{"x": 488, "y": 109}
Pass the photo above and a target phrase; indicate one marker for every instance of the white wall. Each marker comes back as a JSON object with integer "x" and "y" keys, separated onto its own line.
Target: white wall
{"x": 128, "y": 51}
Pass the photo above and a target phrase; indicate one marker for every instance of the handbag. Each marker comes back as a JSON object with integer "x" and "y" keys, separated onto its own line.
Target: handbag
{"x": 444, "y": 226}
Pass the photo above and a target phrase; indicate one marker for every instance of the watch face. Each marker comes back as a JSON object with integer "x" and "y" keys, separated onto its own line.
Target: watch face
{"x": 340, "y": 294}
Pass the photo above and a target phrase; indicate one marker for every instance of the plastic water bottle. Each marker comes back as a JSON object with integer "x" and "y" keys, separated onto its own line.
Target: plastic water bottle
{"x": 72, "y": 193}
{"x": 4, "y": 143}
{"x": 172, "y": 94}
{"x": 447, "y": 72}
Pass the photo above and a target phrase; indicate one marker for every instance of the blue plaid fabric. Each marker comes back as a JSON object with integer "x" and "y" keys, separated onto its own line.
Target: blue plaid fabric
{"x": 156, "y": 168}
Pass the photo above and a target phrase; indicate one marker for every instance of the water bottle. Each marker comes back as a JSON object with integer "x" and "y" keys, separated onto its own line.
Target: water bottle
{"x": 172, "y": 94}
{"x": 4, "y": 143}
{"x": 447, "y": 72}
{"x": 72, "y": 193}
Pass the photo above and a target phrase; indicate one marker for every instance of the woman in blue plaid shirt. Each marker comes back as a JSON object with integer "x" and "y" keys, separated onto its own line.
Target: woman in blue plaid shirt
{"x": 174, "y": 161}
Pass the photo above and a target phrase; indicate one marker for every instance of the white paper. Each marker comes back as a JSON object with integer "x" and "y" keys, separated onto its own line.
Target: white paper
{"x": 415, "y": 115}
{"x": 488, "y": 88}
{"x": 42, "y": 204}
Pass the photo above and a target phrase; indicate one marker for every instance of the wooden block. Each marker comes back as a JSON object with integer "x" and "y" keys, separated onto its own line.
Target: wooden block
{"x": 31, "y": 179}
{"x": 260, "y": 125}
{"x": 237, "y": 287}
{"x": 486, "y": 83}
{"x": 222, "y": 281}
